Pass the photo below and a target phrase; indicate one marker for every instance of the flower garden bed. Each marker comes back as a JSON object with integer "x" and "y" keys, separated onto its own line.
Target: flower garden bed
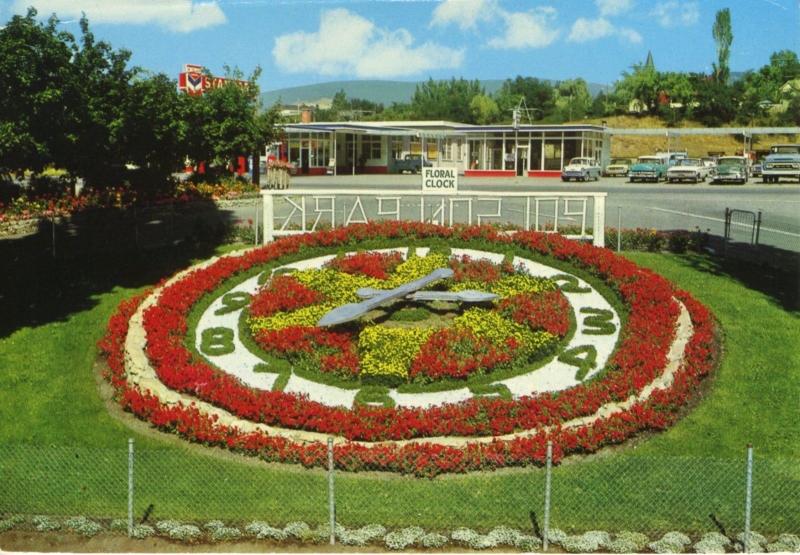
{"x": 483, "y": 432}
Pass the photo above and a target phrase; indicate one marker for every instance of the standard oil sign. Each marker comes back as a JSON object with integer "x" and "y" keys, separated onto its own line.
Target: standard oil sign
{"x": 440, "y": 181}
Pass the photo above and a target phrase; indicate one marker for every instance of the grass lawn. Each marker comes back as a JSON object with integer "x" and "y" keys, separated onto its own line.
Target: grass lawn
{"x": 62, "y": 453}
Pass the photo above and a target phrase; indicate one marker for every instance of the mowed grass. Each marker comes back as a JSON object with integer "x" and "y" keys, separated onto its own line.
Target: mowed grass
{"x": 62, "y": 453}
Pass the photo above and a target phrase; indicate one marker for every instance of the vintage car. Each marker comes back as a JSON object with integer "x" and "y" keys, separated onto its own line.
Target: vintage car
{"x": 782, "y": 161}
{"x": 648, "y": 168}
{"x": 618, "y": 167}
{"x": 411, "y": 163}
{"x": 756, "y": 169}
{"x": 731, "y": 169}
{"x": 581, "y": 169}
{"x": 687, "y": 169}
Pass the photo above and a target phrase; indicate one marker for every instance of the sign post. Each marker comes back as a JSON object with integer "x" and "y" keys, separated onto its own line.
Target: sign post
{"x": 442, "y": 180}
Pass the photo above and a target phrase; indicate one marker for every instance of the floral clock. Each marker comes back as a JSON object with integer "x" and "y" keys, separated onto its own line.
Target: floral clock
{"x": 420, "y": 348}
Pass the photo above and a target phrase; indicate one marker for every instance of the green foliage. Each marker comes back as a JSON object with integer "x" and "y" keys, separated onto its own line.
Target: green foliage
{"x": 598, "y": 321}
{"x": 449, "y": 100}
{"x": 374, "y": 395}
{"x": 572, "y": 99}
{"x": 491, "y": 390}
{"x": 484, "y": 109}
{"x": 723, "y": 37}
{"x": 38, "y": 88}
{"x": 410, "y": 314}
{"x": 217, "y": 341}
{"x": 538, "y": 95}
{"x": 583, "y": 357}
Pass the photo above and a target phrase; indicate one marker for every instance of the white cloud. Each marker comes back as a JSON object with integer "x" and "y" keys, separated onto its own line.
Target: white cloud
{"x": 585, "y": 30}
{"x": 464, "y": 13}
{"x": 534, "y": 29}
{"x": 613, "y": 7}
{"x": 629, "y": 35}
{"x": 347, "y": 43}
{"x": 673, "y": 13}
{"x": 175, "y": 15}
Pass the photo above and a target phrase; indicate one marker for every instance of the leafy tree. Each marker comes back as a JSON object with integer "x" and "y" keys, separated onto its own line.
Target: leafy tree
{"x": 681, "y": 94}
{"x": 104, "y": 81}
{"x": 449, "y": 100}
{"x": 723, "y": 37}
{"x": 641, "y": 84}
{"x": 484, "y": 109}
{"x": 539, "y": 96}
{"x": 716, "y": 103}
{"x": 38, "y": 94}
{"x": 572, "y": 99}
{"x": 153, "y": 127}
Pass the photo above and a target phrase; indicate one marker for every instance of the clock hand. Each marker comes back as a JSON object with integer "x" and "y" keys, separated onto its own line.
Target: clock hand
{"x": 466, "y": 296}
{"x": 352, "y": 311}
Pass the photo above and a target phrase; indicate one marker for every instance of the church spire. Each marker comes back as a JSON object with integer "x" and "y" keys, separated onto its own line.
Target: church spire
{"x": 649, "y": 62}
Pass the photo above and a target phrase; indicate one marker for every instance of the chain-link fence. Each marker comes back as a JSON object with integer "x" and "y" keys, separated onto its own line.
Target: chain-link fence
{"x": 626, "y": 492}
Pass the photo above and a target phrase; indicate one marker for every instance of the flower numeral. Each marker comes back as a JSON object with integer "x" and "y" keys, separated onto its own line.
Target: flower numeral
{"x": 569, "y": 284}
{"x": 584, "y": 357}
{"x": 232, "y": 302}
{"x": 217, "y": 341}
{"x": 374, "y": 395}
{"x": 498, "y": 390}
{"x": 598, "y": 321}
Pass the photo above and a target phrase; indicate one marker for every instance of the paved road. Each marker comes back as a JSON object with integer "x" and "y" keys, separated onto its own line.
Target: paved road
{"x": 659, "y": 206}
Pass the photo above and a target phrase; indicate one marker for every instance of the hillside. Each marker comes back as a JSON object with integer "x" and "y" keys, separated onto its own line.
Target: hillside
{"x": 383, "y": 92}
{"x": 631, "y": 146}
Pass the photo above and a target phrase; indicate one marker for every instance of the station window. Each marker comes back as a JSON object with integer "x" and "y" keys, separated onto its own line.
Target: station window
{"x": 552, "y": 154}
{"x": 397, "y": 148}
{"x": 371, "y": 147}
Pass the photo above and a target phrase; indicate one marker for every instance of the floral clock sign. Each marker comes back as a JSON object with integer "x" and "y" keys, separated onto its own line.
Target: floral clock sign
{"x": 460, "y": 349}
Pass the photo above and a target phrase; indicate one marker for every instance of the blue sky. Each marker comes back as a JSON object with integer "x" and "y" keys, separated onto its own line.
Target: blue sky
{"x": 298, "y": 42}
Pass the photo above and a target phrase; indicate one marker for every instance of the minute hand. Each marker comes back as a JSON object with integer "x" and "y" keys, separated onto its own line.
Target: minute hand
{"x": 352, "y": 311}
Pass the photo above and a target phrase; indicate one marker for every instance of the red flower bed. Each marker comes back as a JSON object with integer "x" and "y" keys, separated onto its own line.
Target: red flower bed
{"x": 548, "y": 311}
{"x": 371, "y": 264}
{"x": 452, "y": 353}
{"x": 640, "y": 357}
{"x": 282, "y": 293}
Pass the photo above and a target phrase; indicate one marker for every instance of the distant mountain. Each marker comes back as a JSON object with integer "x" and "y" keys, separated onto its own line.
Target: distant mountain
{"x": 383, "y": 92}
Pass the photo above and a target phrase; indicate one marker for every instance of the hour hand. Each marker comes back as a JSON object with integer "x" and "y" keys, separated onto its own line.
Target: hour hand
{"x": 466, "y": 296}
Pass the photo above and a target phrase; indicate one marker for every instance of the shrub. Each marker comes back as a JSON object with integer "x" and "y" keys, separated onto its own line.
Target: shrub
{"x": 10, "y": 522}
{"x": 671, "y": 542}
{"x": 45, "y": 524}
{"x": 709, "y": 546}
{"x": 263, "y": 531}
{"x": 119, "y": 525}
{"x": 165, "y": 526}
{"x": 142, "y": 531}
{"x": 503, "y": 535}
{"x": 785, "y": 542}
{"x": 185, "y": 533}
{"x": 297, "y": 530}
{"x": 403, "y": 538}
{"x": 225, "y": 533}
{"x": 463, "y": 535}
{"x": 433, "y": 540}
{"x": 83, "y": 526}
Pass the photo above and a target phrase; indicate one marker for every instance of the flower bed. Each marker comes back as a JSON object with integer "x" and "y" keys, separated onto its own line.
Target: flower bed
{"x": 640, "y": 357}
{"x": 527, "y": 324}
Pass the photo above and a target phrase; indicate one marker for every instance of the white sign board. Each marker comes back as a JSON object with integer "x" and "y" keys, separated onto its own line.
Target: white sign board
{"x": 442, "y": 180}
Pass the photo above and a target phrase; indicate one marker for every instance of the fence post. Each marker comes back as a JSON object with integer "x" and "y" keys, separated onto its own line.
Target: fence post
{"x": 268, "y": 219}
{"x": 758, "y": 226}
{"x": 255, "y": 228}
{"x": 619, "y": 228}
{"x": 748, "y": 501}
{"x": 548, "y": 468}
{"x": 130, "y": 486}
{"x": 331, "y": 502}
{"x": 599, "y": 223}
{"x": 727, "y": 231}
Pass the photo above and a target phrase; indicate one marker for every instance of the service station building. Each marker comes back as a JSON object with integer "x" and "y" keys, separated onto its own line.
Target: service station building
{"x": 350, "y": 148}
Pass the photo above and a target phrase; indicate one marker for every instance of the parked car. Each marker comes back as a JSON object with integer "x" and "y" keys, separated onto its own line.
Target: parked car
{"x": 648, "y": 168}
{"x": 782, "y": 161}
{"x": 709, "y": 162}
{"x": 618, "y": 167}
{"x": 672, "y": 157}
{"x": 411, "y": 163}
{"x": 756, "y": 169}
{"x": 582, "y": 169}
{"x": 731, "y": 169}
{"x": 687, "y": 169}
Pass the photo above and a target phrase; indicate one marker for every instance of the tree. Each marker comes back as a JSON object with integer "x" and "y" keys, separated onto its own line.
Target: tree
{"x": 641, "y": 84}
{"x": 539, "y": 96}
{"x": 679, "y": 89}
{"x": 38, "y": 94}
{"x": 153, "y": 127}
{"x": 572, "y": 99}
{"x": 484, "y": 109}
{"x": 723, "y": 37}
{"x": 104, "y": 82}
{"x": 449, "y": 100}
{"x": 716, "y": 103}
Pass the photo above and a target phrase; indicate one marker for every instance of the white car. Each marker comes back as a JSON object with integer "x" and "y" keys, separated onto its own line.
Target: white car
{"x": 687, "y": 169}
{"x": 581, "y": 169}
